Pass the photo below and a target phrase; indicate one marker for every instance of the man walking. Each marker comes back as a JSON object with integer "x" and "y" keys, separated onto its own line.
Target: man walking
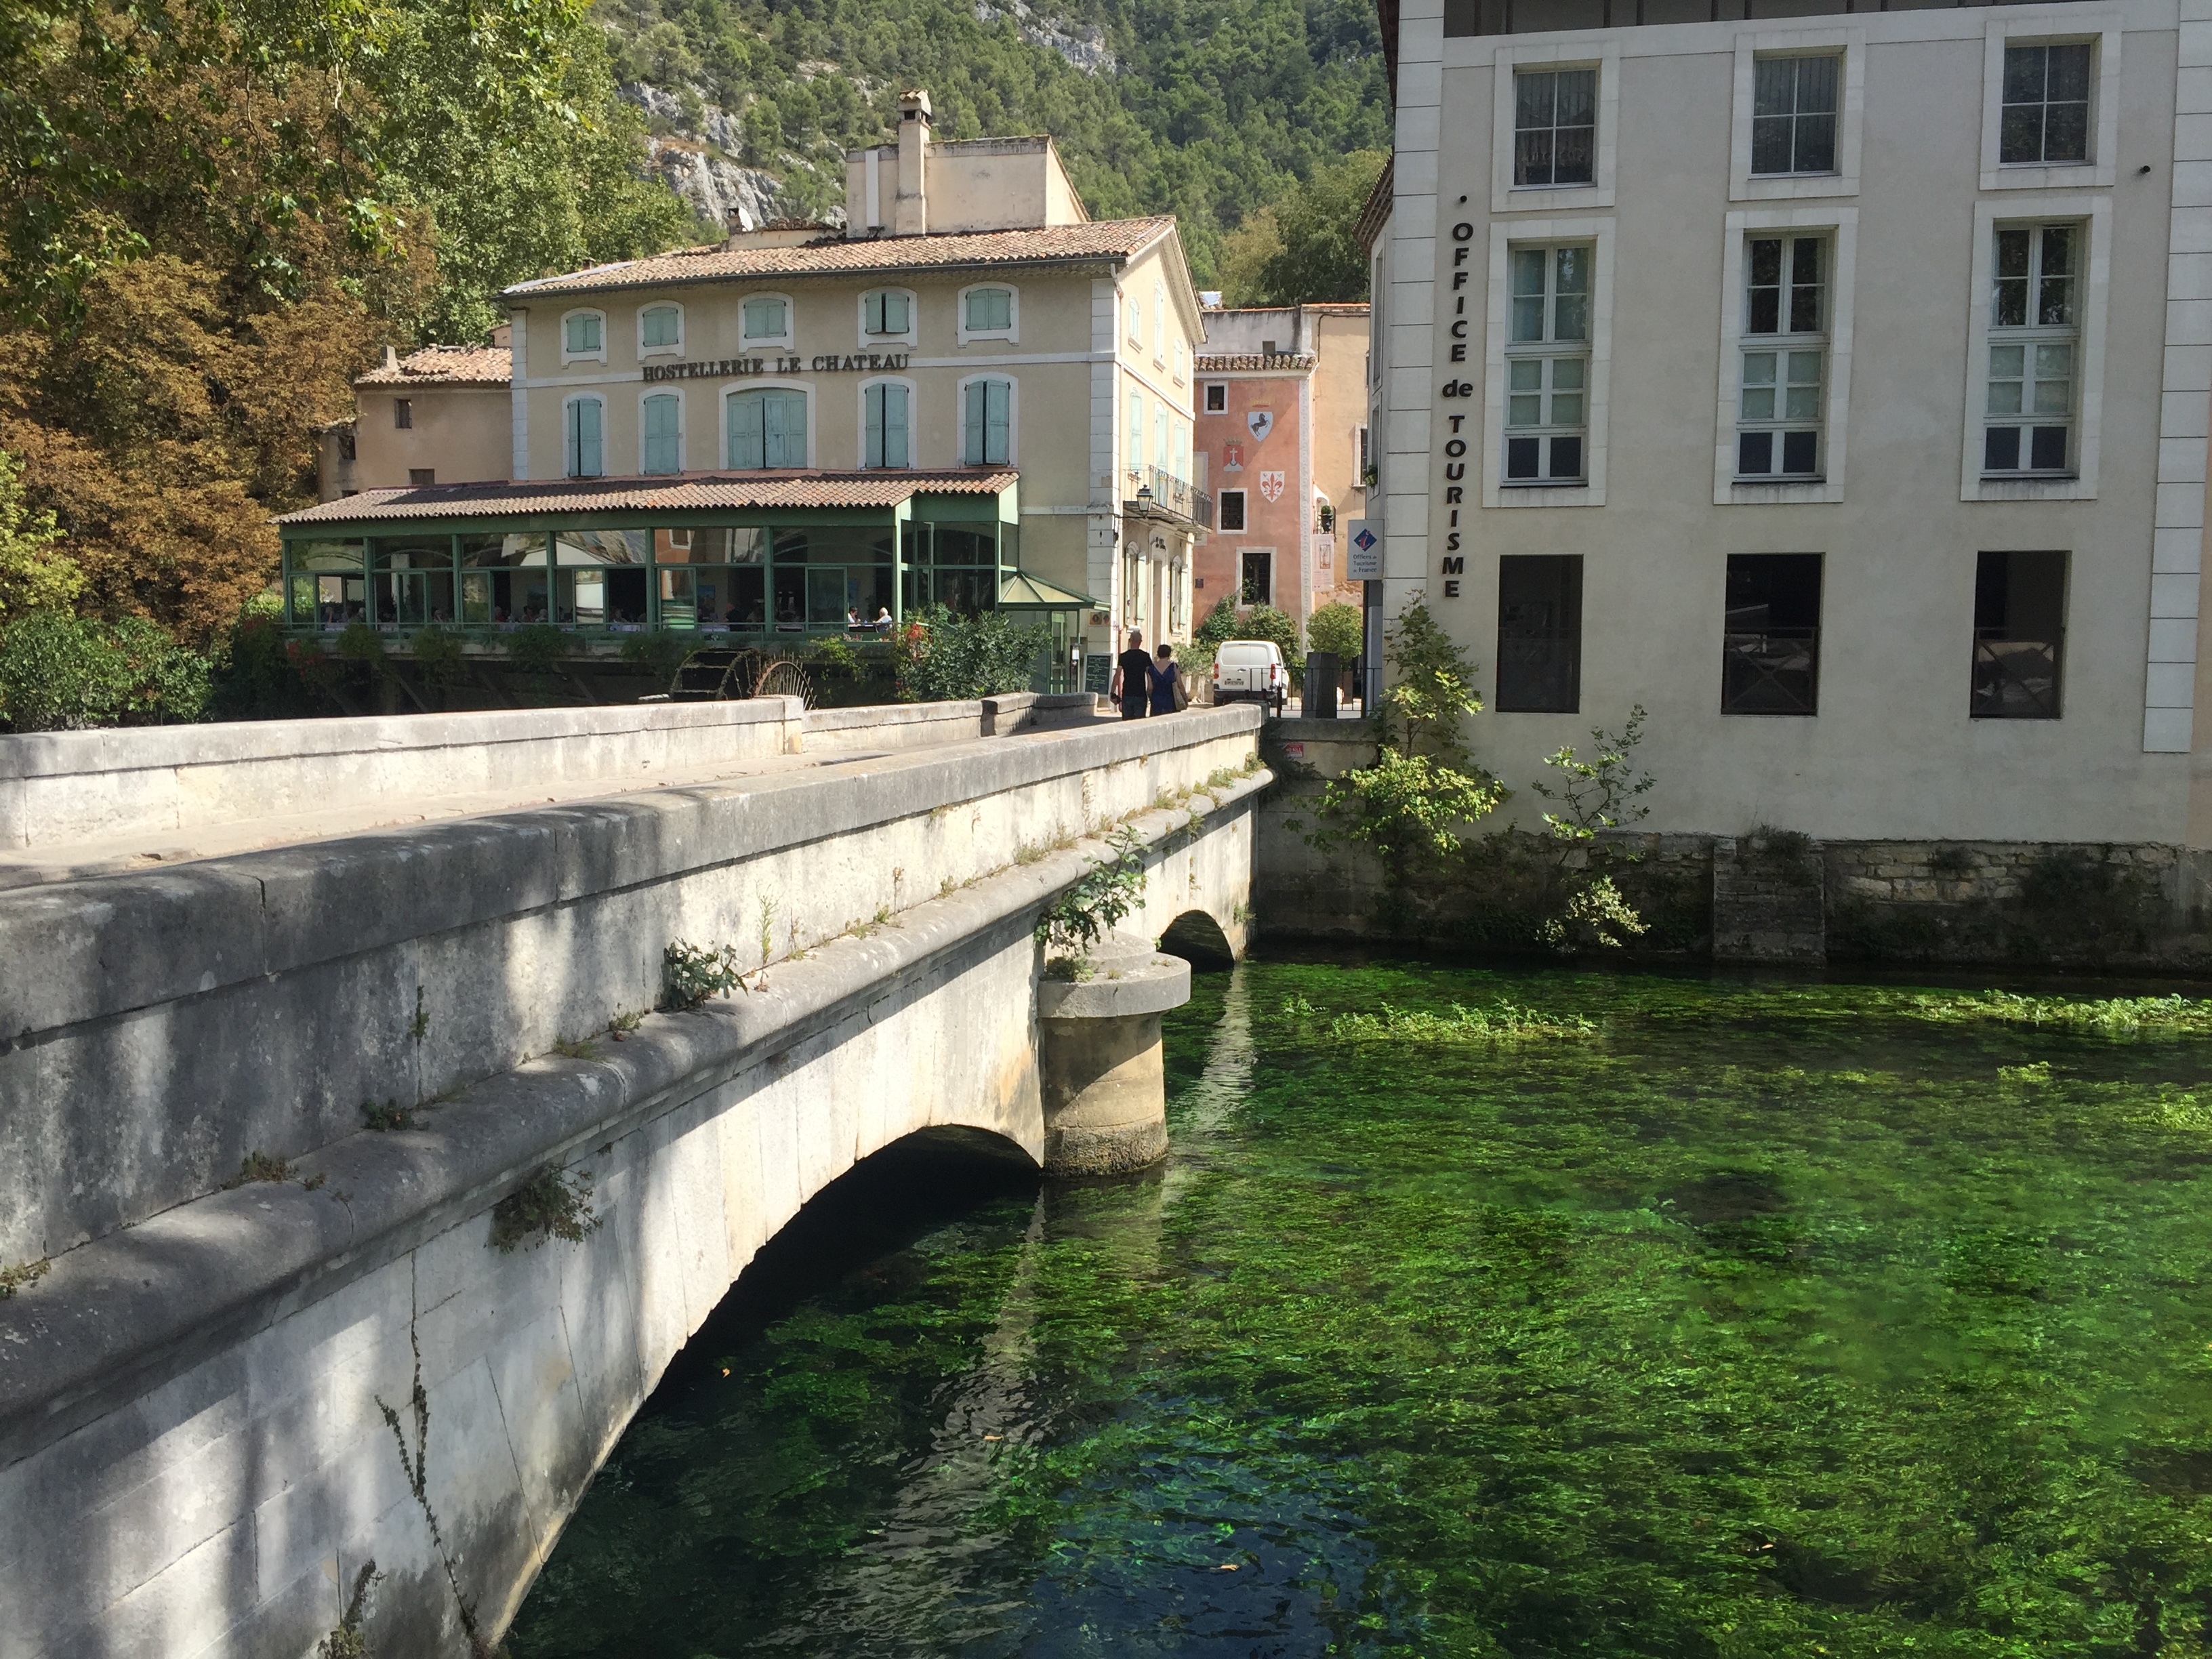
{"x": 1132, "y": 678}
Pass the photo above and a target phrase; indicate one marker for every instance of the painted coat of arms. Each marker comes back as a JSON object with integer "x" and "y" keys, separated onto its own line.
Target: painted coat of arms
{"x": 1261, "y": 423}
{"x": 1271, "y": 485}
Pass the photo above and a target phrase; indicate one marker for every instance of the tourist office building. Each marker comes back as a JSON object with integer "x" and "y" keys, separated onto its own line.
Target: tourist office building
{"x": 972, "y": 396}
{"x": 1831, "y": 381}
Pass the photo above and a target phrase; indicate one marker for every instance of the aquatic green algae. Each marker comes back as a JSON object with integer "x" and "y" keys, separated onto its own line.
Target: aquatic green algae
{"x": 1767, "y": 1319}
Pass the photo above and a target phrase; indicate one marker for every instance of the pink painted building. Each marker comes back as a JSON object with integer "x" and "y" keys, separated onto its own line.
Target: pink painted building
{"x": 1281, "y": 437}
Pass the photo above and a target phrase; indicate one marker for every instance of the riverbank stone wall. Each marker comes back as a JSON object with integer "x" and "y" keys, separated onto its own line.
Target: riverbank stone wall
{"x": 1766, "y": 895}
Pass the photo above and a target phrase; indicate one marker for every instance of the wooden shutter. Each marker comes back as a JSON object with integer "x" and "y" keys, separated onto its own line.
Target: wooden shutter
{"x": 746, "y": 446}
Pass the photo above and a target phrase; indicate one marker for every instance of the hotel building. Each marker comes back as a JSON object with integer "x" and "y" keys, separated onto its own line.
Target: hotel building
{"x": 1831, "y": 381}
{"x": 974, "y": 395}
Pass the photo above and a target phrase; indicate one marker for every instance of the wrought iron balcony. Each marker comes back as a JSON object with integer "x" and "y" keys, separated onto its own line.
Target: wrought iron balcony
{"x": 1162, "y": 495}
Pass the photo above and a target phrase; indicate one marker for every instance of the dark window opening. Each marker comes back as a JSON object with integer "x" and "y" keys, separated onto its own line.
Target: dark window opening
{"x": 1217, "y": 398}
{"x": 2045, "y": 115}
{"x": 1259, "y": 579}
{"x": 422, "y": 475}
{"x": 2020, "y": 635}
{"x": 1539, "y": 634}
{"x": 1793, "y": 120}
{"x": 1231, "y": 509}
{"x": 347, "y": 450}
{"x": 1554, "y": 126}
{"x": 403, "y": 412}
{"x": 1771, "y": 646}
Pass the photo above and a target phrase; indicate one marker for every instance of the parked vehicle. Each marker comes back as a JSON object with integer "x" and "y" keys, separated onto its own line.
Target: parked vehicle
{"x": 1251, "y": 671}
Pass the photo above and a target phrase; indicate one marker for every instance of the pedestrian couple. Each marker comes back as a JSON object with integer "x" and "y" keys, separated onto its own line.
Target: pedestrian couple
{"x": 1148, "y": 685}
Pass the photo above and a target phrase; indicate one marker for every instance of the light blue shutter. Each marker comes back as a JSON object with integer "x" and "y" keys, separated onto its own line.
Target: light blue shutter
{"x": 745, "y": 442}
{"x": 783, "y": 428}
{"x": 894, "y": 314}
{"x": 660, "y": 435}
{"x": 872, "y": 405}
{"x": 585, "y": 452}
{"x": 887, "y": 430}
{"x": 997, "y": 396}
{"x": 972, "y": 417}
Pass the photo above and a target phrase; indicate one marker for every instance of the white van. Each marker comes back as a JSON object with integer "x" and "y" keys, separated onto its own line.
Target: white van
{"x": 1251, "y": 671}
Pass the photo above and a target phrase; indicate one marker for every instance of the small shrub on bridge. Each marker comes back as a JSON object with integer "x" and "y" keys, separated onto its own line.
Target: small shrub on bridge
{"x": 690, "y": 974}
{"x": 14, "y": 1278}
{"x": 1095, "y": 905}
{"x": 551, "y": 1204}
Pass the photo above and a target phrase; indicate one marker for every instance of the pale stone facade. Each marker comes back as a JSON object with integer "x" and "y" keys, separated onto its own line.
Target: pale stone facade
{"x": 1675, "y": 493}
{"x": 1093, "y": 338}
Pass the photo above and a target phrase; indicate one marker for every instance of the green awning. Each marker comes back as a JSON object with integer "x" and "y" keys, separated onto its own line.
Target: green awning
{"x": 1023, "y": 592}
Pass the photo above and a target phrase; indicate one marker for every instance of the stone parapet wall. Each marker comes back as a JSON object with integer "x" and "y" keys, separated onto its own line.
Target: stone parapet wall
{"x": 253, "y": 1003}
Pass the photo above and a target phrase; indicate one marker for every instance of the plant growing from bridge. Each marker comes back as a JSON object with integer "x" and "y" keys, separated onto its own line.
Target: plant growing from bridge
{"x": 1095, "y": 905}
{"x": 551, "y": 1204}
{"x": 14, "y": 1278}
{"x": 690, "y": 974}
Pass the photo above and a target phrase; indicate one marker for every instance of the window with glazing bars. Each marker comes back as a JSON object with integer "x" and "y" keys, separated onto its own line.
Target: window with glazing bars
{"x": 2020, "y": 635}
{"x": 1784, "y": 358}
{"x": 2035, "y": 348}
{"x": 1793, "y": 117}
{"x": 1547, "y": 364}
{"x": 2046, "y": 114}
{"x": 1554, "y": 126}
{"x": 886, "y": 417}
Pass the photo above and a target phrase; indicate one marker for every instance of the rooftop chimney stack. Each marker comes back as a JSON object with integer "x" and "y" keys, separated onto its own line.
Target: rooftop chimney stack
{"x": 911, "y": 208}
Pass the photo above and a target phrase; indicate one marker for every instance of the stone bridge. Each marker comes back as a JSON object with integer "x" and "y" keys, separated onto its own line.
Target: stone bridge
{"x": 276, "y": 1355}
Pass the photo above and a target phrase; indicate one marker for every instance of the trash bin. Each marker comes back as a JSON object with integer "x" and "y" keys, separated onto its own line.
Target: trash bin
{"x": 1317, "y": 698}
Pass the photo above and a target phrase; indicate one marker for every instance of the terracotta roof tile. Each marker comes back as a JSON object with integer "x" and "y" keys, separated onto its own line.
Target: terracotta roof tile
{"x": 838, "y": 255}
{"x": 689, "y": 493}
{"x": 445, "y": 365}
{"x": 1287, "y": 363}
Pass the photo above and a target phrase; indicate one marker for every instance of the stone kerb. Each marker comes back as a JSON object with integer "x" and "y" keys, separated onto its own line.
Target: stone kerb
{"x": 254, "y": 1004}
{"x": 60, "y": 787}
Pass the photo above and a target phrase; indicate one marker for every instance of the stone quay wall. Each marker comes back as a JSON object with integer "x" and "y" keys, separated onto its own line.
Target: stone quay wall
{"x": 1760, "y": 896}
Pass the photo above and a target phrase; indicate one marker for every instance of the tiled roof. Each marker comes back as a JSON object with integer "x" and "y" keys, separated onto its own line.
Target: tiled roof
{"x": 1287, "y": 363}
{"x": 445, "y": 365}
{"x": 838, "y": 255}
{"x": 690, "y": 493}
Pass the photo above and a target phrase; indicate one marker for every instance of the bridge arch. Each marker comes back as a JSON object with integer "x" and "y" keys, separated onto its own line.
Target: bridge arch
{"x": 1199, "y": 940}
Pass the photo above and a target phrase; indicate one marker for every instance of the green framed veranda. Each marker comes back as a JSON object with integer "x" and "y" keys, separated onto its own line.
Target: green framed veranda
{"x": 760, "y": 556}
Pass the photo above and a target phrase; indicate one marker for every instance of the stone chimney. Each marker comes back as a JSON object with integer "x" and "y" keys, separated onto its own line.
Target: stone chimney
{"x": 391, "y": 358}
{"x": 911, "y": 208}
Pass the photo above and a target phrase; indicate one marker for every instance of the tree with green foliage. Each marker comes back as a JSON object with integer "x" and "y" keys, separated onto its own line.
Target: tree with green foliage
{"x": 951, "y": 659}
{"x": 1279, "y": 628}
{"x": 1431, "y": 687}
{"x": 1300, "y": 249}
{"x": 1338, "y": 630}
{"x": 60, "y": 672}
{"x": 1207, "y": 111}
{"x": 34, "y": 574}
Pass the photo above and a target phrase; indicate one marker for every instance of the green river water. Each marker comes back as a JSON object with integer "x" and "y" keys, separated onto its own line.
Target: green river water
{"x": 1763, "y": 1317}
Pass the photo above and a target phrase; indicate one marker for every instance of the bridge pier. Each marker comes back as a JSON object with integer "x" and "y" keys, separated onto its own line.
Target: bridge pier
{"x": 1099, "y": 1062}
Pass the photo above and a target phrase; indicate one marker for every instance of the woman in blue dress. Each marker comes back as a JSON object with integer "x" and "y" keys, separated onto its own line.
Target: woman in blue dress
{"x": 1167, "y": 681}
